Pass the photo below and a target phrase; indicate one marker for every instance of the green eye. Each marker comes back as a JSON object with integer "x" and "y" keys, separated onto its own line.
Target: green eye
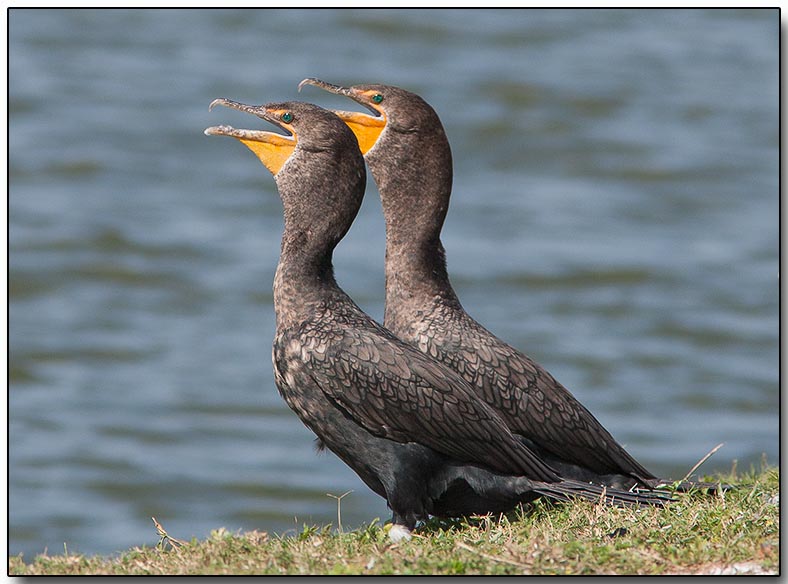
{"x": 287, "y": 117}
{"x": 377, "y": 98}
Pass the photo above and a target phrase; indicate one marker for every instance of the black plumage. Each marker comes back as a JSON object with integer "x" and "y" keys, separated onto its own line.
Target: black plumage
{"x": 411, "y": 428}
{"x": 410, "y": 158}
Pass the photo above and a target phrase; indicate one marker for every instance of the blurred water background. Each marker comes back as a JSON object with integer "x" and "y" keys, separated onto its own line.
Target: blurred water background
{"x": 615, "y": 215}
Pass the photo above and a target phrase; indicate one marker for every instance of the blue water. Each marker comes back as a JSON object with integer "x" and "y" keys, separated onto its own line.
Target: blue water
{"x": 615, "y": 215}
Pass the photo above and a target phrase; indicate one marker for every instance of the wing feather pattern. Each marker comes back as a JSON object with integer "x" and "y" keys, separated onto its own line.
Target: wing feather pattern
{"x": 395, "y": 392}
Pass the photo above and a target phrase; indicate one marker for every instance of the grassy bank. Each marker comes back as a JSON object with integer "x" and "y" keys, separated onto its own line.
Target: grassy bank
{"x": 734, "y": 532}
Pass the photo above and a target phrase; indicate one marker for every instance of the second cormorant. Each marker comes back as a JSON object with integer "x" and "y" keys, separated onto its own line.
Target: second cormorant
{"x": 409, "y": 156}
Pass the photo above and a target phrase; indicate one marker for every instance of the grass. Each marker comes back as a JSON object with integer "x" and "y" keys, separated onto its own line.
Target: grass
{"x": 733, "y": 532}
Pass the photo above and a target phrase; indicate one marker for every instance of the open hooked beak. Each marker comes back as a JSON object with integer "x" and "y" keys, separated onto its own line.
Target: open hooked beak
{"x": 271, "y": 148}
{"x": 367, "y": 128}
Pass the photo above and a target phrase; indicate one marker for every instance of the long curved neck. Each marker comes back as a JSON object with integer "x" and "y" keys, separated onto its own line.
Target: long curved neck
{"x": 304, "y": 279}
{"x": 318, "y": 211}
{"x": 413, "y": 172}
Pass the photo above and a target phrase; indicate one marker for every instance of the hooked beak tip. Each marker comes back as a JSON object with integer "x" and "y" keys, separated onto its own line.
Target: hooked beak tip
{"x": 215, "y": 102}
{"x": 307, "y": 81}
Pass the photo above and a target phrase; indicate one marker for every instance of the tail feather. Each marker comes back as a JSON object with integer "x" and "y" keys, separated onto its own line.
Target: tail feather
{"x": 567, "y": 490}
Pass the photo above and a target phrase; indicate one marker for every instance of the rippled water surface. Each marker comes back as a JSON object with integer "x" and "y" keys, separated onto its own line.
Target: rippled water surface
{"x": 615, "y": 215}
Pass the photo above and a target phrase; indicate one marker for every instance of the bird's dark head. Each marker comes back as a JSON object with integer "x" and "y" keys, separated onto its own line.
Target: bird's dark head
{"x": 392, "y": 108}
{"x": 408, "y": 153}
{"x": 316, "y": 162}
{"x": 307, "y": 126}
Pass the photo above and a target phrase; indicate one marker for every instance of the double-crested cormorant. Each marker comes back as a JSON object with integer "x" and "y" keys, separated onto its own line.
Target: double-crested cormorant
{"x": 409, "y": 156}
{"x": 411, "y": 428}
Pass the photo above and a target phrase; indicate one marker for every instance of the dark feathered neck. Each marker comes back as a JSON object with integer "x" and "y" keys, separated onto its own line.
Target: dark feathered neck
{"x": 413, "y": 171}
{"x": 321, "y": 192}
